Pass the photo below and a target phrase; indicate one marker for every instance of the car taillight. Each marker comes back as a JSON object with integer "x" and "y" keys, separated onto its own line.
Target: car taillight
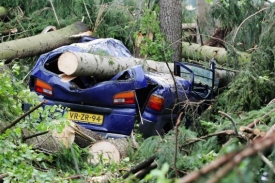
{"x": 43, "y": 87}
{"x": 155, "y": 102}
{"x": 124, "y": 98}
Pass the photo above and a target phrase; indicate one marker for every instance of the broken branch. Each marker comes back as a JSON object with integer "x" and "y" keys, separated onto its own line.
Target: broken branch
{"x": 34, "y": 135}
{"x": 230, "y": 160}
{"x": 21, "y": 117}
{"x": 226, "y": 132}
{"x": 140, "y": 166}
{"x": 232, "y": 121}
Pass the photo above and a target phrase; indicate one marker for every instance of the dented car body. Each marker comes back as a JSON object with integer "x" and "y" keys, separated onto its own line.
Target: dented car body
{"x": 112, "y": 106}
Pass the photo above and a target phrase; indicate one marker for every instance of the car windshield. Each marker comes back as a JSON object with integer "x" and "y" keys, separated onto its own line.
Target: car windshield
{"x": 202, "y": 75}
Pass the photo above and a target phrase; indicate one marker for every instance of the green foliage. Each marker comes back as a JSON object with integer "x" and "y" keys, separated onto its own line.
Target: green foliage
{"x": 22, "y": 162}
{"x": 164, "y": 149}
{"x": 17, "y": 158}
{"x": 157, "y": 48}
{"x": 65, "y": 159}
{"x": 11, "y": 93}
{"x": 248, "y": 91}
{"x": 115, "y": 19}
{"x": 253, "y": 86}
{"x": 243, "y": 20}
{"x": 159, "y": 176}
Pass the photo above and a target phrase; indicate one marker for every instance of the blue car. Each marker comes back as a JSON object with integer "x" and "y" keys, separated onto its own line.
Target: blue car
{"x": 112, "y": 107}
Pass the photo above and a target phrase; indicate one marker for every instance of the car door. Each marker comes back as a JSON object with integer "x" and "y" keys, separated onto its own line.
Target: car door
{"x": 201, "y": 79}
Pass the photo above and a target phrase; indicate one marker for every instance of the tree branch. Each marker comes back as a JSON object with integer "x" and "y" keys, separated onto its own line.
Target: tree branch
{"x": 230, "y": 160}
{"x": 21, "y": 117}
{"x": 225, "y": 132}
{"x": 232, "y": 121}
{"x": 34, "y": 135}
{"x": 140, "y": 166}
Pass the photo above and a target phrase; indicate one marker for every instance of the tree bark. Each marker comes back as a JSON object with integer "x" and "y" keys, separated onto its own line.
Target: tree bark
{"x": 75, "y": 64}
{"x": 171, "y": 25}
{"x": 86, "y": 64}
{"x": 38, "y": 44}
{"x": 54, "y": 141}
{"x": 110, "y": 150}
{"x": 205, "y": 53}
{"x": 85, "y": 137}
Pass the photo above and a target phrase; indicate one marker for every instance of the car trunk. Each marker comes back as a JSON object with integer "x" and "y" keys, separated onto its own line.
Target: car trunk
{"x": 142, "y": 93}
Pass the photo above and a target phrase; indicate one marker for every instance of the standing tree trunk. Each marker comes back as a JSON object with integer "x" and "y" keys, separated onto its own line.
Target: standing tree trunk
{"x": 171, "y": 25}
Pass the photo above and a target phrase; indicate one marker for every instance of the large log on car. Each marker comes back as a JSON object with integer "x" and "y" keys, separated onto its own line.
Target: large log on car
{"x": 109, "y": 150}
{"x": 41, "y": 43}
{"x": 86, "y": 64}
{"x": 104, "y": 67}
{"x": 197, "y": 52}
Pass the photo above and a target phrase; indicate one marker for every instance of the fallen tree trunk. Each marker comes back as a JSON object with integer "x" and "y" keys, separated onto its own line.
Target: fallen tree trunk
{"x": 198, "y": 52}
{"x": 38, "y": 44}
{"x": 104, "y": 67}
{"x": 53, "y": 141}
{"x": 86, "y": 64}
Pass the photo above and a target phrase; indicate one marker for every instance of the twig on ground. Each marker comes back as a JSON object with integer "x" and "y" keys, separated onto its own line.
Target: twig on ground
{"x": 140, "y": 166}
{"x": 225, "y": 132}
{"x": 142, "y": 173}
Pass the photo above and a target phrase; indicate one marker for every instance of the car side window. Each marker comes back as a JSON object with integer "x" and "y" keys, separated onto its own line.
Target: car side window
{"x": 202, "y": 76}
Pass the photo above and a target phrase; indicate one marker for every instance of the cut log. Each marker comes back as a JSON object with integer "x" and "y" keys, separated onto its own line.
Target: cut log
{"x": 38, "y": 44}
{"x": 76, "y": 64}
{"x": 85, "y": 137}
{"x": 86, "y": 64}
{"x": 205, "y": 53}
{"x": 109, "y": 151}
{"x": 55, "y": 141}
